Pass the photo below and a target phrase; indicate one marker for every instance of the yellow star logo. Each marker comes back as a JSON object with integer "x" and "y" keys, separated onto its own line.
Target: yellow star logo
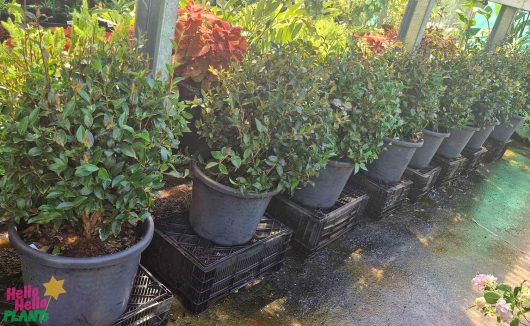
{"x": 54, "y": 288}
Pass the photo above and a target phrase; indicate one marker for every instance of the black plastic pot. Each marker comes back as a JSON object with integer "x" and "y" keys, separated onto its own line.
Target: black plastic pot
{"x": 97, "y": 288}
{"x": 392, "y": 161}
{"x": 431, "y": 142}
{"x": 479, "y": 137}
{"x": 453, "y": 146}
{"x": 223, "y": 214}
{"x": 328, "y": 185}
{"x": 503, "y": 132}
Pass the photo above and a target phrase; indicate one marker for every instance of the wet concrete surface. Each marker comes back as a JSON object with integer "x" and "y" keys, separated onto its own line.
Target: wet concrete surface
{"x": 412, "y": 268}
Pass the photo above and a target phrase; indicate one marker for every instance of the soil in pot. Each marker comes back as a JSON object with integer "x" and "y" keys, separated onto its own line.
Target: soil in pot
{"x": 423, "y": 155}
{"x": 88, "y": 291}
{"x": 479, "y": 137}
{"x": 503, "y": 132}
{"x": 393, "y": 161}
{"x": 326, "y": 187}
{"x": 453, "y": 145}
{"x": 223, "y": 214}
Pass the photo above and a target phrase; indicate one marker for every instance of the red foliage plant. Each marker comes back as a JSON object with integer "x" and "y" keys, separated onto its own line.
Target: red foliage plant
{"x": 203, "y": 41}
{"x": 378, "y": 42}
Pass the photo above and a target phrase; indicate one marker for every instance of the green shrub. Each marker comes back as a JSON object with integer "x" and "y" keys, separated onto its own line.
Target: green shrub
{"x": 462, "y": 88}
{"x": 422, "y": 80}
{"x": 500, "y": 91}
{"x": 366, "y": 100}
{"x": 87, "y": 131}
{"x": 268, "y": 122}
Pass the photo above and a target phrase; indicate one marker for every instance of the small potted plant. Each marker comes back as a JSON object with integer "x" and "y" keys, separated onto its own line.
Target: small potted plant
{"x": 269, "y": 124}
{"x": 87, "y": 134}
{"x": 513, "y": 115}
{"x": 462, "y": 88}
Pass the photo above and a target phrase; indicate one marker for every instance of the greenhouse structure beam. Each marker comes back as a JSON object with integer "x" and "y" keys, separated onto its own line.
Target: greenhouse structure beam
{"x": 415, "y": 20}
{"x": 520, "y": 4}
{"x": 155, "y": 23}
{"x": 502, "y": 26}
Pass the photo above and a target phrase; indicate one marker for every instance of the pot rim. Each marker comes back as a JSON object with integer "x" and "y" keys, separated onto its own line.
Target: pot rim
{"x": 518, "y": 117}
{"x": 341, "y": 164}
{"x": 436, "y": 134}
{"x": 210, "y": 183}
{"x": 403, "y": 143}
{"x": 82, "y": 262}
{"x": 468, "y": 128}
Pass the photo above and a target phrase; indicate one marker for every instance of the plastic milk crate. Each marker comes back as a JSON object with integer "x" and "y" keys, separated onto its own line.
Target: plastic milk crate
{"x": 316, "y": 228}
{"x": 201, "y": 272}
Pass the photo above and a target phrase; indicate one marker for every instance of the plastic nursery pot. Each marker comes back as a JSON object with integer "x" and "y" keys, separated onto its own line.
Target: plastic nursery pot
{"x": 431, "y": 142}
{"x": 503, "y": 132}
{"x": 453, "y": 145}
{"x": 392, "y": 161}
{"x": 328, "y": 185}
{"x": 479, "y": 137}
{"x": 96, "y": 289}
{"x": 223, "y": 214}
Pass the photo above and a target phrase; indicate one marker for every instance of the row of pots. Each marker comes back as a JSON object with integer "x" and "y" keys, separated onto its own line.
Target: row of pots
{"x": 98, "y": 288}
{"x": 227, "y": 217}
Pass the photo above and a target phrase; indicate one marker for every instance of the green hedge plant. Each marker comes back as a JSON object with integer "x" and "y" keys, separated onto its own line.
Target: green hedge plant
{"x": 88, "y": 132}
{"x": 463, "y": 84}
{"x": 500, "y": 91}
{"x": 268, "y": 123}
{"x": 365, "y": 98}
{"x": 422, "y": 79}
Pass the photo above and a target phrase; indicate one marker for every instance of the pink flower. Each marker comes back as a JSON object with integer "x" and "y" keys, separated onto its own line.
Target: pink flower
{"x": 482, "y": 280}
{"x": 503, "y": 310}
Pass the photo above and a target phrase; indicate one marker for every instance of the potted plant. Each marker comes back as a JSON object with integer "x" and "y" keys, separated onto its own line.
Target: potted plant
{"x": 357, "y": 128}
{"x": 87, "y": 134}
{"x": 422, "y": 77}
{"x": 462, "y": 87}
{"x": 269, "y": 125}
{"x": 513, "y": 114}
{"x": 414, "y": 111}
{"x": 495, "y": 96}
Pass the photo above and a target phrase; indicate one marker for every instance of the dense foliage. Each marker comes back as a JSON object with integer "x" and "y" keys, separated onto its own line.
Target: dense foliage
{"x": 366, "y": 96}
{"x": 268, "y": 122}
{"x": 422, "y": 79}
{"x": 87, "y": 132}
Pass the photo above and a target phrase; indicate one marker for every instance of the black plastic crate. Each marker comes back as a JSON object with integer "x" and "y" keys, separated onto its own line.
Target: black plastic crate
{"x": 474, "y": 158}
{"x": 423, "y": 180}
{"x": 384, "y": 199}
{"x": 316, "y": 228}
{"x": 149, "y": 303}
{"x": 496, "y": 149}
{"x": 202, "y": 272}
{"x": 452, "y": 169}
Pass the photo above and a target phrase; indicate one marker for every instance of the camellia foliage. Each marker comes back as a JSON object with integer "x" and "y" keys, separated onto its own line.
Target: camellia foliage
{"x": 203, "y": 41}
{"x": 500, "y": 91}
{"x": 422, "y": 79}
{"x": 268, "y": 122}
{"x": 366, "y": 97}
{"x": 87, "y": 132}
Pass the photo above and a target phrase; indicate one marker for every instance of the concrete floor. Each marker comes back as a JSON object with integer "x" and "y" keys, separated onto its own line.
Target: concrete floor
{"x": 413, "y": 268}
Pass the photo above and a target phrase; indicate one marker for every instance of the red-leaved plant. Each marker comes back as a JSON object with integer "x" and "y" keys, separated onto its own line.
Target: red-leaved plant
{"x": 378, "y": 42}
{"x": 203, "y": 41}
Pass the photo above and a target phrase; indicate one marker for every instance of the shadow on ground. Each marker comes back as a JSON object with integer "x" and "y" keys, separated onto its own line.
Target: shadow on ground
{"x": 412, "y": 268}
